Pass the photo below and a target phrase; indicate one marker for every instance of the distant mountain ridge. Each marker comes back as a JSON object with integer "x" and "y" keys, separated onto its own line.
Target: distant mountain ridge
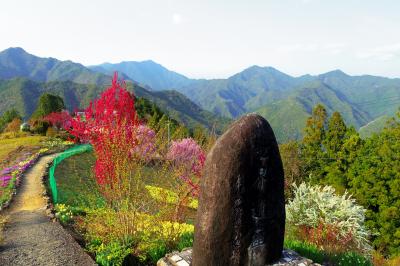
{"x": 16, "y": 62}
{"x": 147, "y": 73}
{"x": 286, "y": 101}
{"x": 24, "y": 77}
{"x": 276, "y": 95}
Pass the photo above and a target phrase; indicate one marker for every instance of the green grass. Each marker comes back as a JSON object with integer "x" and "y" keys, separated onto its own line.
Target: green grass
{"x": 77, "y": 187}
{"x": 12, "y": 144}
{"x": 374, "y": 126}
{"x": 319, "y": 256}
{"x": 75, "y": 183}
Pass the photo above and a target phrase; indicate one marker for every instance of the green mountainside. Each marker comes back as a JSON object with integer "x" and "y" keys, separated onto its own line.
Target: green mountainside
{"x": 26, "y": 77}
{"x": 16, "y": 62}
{"x": 375, "y": 95}
{"x": 147, "y": 72}
{"x": 241, "y": 93}
{"x": 287, "y": 101}
{"x": 284, "y": 100}
{"x": 288, "y": 117}
{"x": 23, "y": 94}
{"x": 375, "y": 126}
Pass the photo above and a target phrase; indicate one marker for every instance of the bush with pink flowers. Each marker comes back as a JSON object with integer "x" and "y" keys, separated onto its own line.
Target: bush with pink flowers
{"x": 188, "y": 159}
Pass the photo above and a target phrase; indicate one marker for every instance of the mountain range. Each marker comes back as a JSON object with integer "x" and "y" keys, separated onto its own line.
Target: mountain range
{"x": 285, "y": 101}
{"x": 24, "y": 77}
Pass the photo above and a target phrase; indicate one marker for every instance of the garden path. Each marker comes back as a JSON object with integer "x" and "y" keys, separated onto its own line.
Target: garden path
{"x": 30, "y": 237}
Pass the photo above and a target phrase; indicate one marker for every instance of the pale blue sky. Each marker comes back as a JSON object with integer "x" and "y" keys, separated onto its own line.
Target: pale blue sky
{"x": 211, "y": 38}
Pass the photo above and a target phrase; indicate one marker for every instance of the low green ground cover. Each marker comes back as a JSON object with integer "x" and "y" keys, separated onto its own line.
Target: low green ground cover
{"x": 81, "y": 203}
{"x": 312, "y": 252}
{"x": 78, "y": 191}
{"x": 75, "y": 184}
{"x": 9, "y": 146}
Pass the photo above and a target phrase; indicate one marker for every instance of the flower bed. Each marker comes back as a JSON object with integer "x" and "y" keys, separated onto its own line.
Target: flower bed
{"x": 138, "y": 201}
{"x": 10, "y": 177}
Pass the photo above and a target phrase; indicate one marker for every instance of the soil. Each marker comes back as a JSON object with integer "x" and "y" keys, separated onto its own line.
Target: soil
{"x": 30, "y": 236}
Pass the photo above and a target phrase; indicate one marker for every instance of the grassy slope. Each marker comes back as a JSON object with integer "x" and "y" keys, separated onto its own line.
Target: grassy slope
{"x": 23, "y": 95}
{"x": 146, "y": 72}
{"x": 15, "y": 62}
{"x": 288, "y": 117}
{"x": 9, "y": 145}
{"x": 374, "y": 126}
{"x": 75, "y": 182}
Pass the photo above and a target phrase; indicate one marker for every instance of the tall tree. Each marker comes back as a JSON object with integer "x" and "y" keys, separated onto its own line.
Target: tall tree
{"x": 292, "y": 166}
{"x": 374, "y": 179}
{"x": 312, "y": 150}
{"x": 47, "y": 104}
{"x": 335, "y": 135}
{"x": 7, "y": 117}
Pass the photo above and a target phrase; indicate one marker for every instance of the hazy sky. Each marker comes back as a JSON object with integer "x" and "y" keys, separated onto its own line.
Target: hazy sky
{"x": 211, "y": 38}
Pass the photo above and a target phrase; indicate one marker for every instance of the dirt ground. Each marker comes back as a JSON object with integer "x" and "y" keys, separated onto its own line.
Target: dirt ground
{"x": 30, "y": 237}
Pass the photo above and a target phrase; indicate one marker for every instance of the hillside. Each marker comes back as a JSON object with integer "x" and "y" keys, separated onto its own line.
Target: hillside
{"x": 16, "y": 62}
{"x": 375, "y": 126}
{"x": 288, "y": 116}
{"x": 375, "y": 95}
{"x": 23, "y": 94}
{"x": 281, "y": 97}
{"x": 147, "y": 72}
{"x": 247, "y": 90}
{"x": 265, "y": 90}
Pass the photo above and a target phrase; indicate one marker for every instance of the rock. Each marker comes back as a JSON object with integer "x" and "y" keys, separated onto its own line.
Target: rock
{"x": 183, "y": 258}
{"x": 241, "y": 214}
{"x": 288, "y": 258}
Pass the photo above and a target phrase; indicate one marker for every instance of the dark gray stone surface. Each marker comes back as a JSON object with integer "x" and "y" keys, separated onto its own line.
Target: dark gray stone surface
{"x": 184, "y": 258}
{"x": 31, "y": 238}
{"x": 241, "y": 214}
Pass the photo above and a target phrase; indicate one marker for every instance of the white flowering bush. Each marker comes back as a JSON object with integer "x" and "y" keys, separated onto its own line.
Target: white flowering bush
{"x": 325, "y": 216}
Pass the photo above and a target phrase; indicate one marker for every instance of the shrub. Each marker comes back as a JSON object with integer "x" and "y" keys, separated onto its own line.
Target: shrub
{"x": 14, "y": 126}
{"x": 147, "y": 236}
{"x": 51, "y": 132}
{"x": 126, "y": 156}
{"x": 59, "y": 119}
{"x": 111, "y": 254}
{"x": 63, "y": 213}
{"x": 330, "y": 221}
{"x": 188, "y": 159}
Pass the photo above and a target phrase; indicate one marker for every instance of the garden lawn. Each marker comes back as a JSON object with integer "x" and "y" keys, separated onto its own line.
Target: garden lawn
{"x": 77, "y": 187}
{"x": 75, "y": 183}
{"x": 319, "y": 256}
{"x": 78, "y": 193}
{"x": 10, "y": 148}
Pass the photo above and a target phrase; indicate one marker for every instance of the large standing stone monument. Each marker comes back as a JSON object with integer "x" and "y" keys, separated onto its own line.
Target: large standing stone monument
{"x": 241, "y": 214}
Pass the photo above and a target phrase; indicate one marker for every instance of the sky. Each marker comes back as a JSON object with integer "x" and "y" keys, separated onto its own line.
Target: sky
{"x": 212, "y": 38}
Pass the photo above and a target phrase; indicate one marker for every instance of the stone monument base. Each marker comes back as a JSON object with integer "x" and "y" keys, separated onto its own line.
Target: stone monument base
{"x": 184, "y": 258}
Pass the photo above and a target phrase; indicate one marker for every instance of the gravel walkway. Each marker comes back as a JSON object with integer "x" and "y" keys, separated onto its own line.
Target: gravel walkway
{"x": 30, "y": 237}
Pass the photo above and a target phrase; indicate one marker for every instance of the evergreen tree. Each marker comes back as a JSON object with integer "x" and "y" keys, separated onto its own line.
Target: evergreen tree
{"x": 7, "y": 117}
{"x": 292, "y": 166}
{"x": 335, "y": 167}
{"x": 374, "y": 179}
{"x": 312, "y": 150}
{"x": 47, "y": 104}
{"x": 335, "y": 135}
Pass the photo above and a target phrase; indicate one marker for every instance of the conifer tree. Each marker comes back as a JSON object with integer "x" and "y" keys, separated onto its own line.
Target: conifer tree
{"x": 47, "y": 104}
{"x": 312, "y": 150}
{"x": 7, "y": 117}
{"x": 335, "y": 135}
